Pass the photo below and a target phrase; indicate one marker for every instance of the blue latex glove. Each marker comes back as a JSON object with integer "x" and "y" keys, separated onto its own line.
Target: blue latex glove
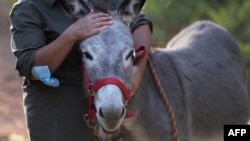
{"x": 43, "y": 74}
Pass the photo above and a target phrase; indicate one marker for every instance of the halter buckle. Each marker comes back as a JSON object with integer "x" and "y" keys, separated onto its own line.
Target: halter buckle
{"x": 91, "y": 90}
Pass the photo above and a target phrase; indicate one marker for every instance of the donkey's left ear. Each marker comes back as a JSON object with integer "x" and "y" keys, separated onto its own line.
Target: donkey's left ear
{"x": 129, "y": 9}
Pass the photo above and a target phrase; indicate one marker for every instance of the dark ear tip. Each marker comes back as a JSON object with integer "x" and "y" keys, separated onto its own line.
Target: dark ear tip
{"x": 136, "y": 6}
{"x": 129, "y": 9}
{"x": 85, "y": 6}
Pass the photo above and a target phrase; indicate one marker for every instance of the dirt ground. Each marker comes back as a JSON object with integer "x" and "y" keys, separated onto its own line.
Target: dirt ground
{"x": 11, "y": 110}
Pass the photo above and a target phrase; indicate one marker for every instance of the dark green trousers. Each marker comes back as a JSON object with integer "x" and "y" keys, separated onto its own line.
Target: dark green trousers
{"x": 56, "y": 114}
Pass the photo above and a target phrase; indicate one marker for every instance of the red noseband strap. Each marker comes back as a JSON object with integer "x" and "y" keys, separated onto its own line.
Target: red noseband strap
{"x": 114, "y": 81}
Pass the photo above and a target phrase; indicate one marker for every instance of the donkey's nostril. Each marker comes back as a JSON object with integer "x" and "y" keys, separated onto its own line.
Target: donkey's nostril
{"x": 123, "y": 112}
{"x": 112, "y": 114}
{"x": 101, "y": 113}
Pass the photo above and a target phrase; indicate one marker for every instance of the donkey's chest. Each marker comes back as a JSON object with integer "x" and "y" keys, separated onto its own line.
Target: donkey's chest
{"x": 134, "y": 132}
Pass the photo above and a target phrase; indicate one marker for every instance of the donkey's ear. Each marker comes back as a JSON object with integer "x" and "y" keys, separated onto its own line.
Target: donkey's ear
{"x": 129, "y": 9}
{"x": 76, "y": 8}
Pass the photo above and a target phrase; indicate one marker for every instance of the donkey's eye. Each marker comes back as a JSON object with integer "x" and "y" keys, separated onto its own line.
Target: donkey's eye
{"x": 87, "y": 55}
{"x": 131, "y": 54}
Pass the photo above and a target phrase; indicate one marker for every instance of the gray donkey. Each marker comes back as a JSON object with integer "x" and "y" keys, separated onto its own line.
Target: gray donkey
{"x": 201, "y": 71}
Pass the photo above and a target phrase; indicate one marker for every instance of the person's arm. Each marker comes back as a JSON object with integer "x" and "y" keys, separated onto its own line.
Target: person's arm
{"x": 29, "y": 41}
{"x": 141, "y": 29}
{"x": 142, "y": 37}
{"x": 54, "y": 53}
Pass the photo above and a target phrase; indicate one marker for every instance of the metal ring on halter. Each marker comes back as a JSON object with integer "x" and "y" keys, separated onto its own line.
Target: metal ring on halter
{"x": 91, "y": 92}
{"x": 134, "y": 53}
{"x": 85, "y": 117}
{"x": 90, "y": 123}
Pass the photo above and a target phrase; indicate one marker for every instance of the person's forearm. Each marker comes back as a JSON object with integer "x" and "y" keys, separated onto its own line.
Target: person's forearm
{"x": 142, "y": 37}
{"x": 54, "y": 53}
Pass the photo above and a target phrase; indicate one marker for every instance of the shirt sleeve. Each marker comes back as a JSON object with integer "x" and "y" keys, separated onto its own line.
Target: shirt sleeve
{"x": 27, "y": 36}
{"x": 141, "y": 20}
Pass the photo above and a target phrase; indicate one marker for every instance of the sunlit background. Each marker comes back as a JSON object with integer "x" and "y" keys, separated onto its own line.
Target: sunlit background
{"x": 168, "y": 16}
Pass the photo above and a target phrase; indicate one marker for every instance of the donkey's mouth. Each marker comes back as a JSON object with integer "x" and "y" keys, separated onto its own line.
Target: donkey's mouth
{"x": 110, "y": 132}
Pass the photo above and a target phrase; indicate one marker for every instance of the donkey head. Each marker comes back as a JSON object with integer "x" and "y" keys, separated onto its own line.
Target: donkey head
{"x": 109, "y": 54}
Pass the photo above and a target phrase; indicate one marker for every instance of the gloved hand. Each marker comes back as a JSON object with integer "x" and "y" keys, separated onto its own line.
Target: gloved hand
{"x": 43, "y": 74}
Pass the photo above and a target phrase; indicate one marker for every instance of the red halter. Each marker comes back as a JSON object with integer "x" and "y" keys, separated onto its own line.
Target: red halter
{"x": 93, "y": 87}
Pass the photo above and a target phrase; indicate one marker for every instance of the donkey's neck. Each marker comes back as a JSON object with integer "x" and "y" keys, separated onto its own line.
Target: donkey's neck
{"x": 152, "y": 120}
{"x": 149, "y": 110}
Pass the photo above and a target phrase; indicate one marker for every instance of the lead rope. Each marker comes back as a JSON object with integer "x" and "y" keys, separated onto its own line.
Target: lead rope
{"x": 92, "y": 124}
{"x": 165, "y": 100}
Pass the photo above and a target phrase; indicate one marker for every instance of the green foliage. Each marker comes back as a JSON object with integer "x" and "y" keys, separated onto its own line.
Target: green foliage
{"x": 10, "y": 2}
{"x": 170, "y": 16}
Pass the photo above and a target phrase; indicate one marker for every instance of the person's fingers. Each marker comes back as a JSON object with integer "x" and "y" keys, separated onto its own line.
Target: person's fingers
{"x": 102, "y": 28}
{"x": 98, "y": 30}
{"x": 93, "y": 23}
{"x": 101, "y": 24}
{"x": 103, "y": 19}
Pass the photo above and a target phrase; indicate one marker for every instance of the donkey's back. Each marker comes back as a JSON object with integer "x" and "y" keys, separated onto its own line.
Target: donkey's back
{"x": 202, "y": 73}
{"x": 211, "y": 69}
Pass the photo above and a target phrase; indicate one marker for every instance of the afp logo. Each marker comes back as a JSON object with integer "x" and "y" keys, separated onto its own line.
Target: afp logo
{"x": 236, "y": 132}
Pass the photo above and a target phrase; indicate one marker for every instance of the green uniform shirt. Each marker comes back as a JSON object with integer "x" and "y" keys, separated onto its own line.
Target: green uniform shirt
{"x": 36, "y": 23}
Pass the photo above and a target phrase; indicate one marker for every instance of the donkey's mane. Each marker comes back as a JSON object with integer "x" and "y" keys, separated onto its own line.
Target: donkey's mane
{"x": 101, "y": 5}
